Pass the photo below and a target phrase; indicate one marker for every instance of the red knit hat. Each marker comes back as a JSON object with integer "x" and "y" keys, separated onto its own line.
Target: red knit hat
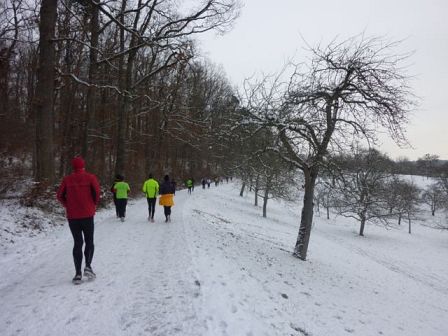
{"x": 78, "y": 163}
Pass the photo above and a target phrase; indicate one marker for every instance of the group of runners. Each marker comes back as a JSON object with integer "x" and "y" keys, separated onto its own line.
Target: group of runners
{"x": 79, "y": 193}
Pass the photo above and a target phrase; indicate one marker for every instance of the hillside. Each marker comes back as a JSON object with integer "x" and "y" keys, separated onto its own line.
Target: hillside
{"x": 219, "y": 268}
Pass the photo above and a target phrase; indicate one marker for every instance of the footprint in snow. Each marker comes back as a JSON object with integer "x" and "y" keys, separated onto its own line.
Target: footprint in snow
{"x": 73, "y": 319}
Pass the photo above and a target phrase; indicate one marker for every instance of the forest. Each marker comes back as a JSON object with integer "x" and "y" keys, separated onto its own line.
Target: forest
{"x": 119, "y": 83}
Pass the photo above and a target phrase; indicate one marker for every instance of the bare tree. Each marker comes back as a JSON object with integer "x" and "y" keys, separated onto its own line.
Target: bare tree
{"x": 409, "y": 199}
{"x": 442, "y": 184}
{"x": 434, "y": 197}
{"x": 274, "y": 177}
{"x": 427, "y": 164}
{"x": 325, "y": 195}
{"x": 43, "y": 99}
{"x": 349, "y": 90}
{"x": 360, "y": 190}
{"x": 277, "y": 184}
{"x": 395, "y": 188}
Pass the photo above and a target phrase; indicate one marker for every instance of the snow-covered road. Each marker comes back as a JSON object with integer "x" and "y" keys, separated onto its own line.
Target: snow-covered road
{"x": 145, "y": 284}
{"x": 219, "y": 268}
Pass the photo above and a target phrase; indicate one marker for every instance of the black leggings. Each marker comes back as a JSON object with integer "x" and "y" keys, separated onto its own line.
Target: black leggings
{"x": 151, "y": 206}
{"x": 167, "y": 210}
{"x": 121, "y": 207}
{"x": 116, "y": 205}
{"x": 78, "y": 227}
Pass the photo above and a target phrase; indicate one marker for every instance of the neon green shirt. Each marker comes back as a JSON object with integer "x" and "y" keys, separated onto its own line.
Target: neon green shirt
{"x": 151, "y": 188}
{"x": 122, "y": 189}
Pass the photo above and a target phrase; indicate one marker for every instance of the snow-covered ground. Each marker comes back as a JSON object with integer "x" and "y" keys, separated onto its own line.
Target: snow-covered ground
{"x": 219, "y": 268}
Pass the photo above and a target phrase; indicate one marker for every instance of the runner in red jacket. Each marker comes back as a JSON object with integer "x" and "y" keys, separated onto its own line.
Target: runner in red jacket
{"x": 79, "y": 192}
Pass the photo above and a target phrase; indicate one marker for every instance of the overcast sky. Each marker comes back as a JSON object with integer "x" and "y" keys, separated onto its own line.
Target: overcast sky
{"x": 268, "y": 33}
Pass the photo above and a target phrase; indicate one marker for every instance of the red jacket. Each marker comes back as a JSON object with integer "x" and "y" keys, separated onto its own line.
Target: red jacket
{"x": 79, "y": 192}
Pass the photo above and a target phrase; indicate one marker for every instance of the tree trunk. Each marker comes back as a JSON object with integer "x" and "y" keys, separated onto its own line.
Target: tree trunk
{"x": 265, "y": 201}
{"x": 242, "y": 189}
{"x": 44, "y": 96}
{"x": 399, "y": 219}
{"x": 256, "y": 190}
{"x": 306, "y": 220}
{"x": 5, "y": 70}
{"x": 328, "y": 212}
{"x": 93, "y": 69}
{"x": 363, "y": 224}
{"x": 409, "y": 222}
{"x": 4, "y": 85}
{"x": 66, "y": 98}
{"x": 123, "y": 100}
{"x": 152, "y": 127}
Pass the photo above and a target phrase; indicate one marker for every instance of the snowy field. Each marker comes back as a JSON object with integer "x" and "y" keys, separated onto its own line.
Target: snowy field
{"x": 219, "y": 268}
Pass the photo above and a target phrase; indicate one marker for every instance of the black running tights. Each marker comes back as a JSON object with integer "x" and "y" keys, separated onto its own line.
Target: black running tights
{"x": 121, "y": 205}
{"x": 167, "y": 210}
{"x": 79, "y": 228}
{"x": 151, "y": 206}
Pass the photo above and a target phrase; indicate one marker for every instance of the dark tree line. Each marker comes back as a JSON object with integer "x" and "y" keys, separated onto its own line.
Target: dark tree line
{"x": 428, "y": 165}
{"x": 119, "y": 82}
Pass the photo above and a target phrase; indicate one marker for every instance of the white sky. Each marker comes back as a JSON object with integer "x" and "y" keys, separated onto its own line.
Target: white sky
{"x": 267, "y": 34}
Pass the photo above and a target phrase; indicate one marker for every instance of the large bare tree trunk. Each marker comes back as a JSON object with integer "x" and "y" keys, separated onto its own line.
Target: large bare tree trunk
{"x": 44, "y": 97}
{"x": 5, "y": 59}
{"x": 123, "y": 100}
{"x": 151, "y": 144}
{"x": 4, "y": 87}
{"x": 306, "y": 221}
{"x": 93, "y": 69}
{"x": 66, "y": 97}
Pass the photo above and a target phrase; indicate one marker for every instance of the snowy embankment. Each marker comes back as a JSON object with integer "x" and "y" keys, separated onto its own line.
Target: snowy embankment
{"x": 219, "y": 268}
